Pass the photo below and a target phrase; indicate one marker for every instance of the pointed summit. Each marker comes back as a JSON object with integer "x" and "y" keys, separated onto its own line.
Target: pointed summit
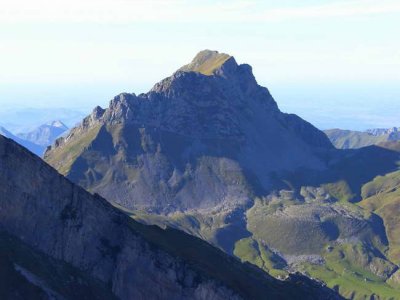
{"x": 57, "y": 124}
{"x": 206, "y": 62}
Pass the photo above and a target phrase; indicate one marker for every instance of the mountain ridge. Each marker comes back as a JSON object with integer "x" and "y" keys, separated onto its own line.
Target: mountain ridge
{"x": 352, "y": 139}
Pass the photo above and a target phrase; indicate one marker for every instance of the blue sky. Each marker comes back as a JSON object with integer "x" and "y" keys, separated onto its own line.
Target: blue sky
{"x": 335, "y": 63}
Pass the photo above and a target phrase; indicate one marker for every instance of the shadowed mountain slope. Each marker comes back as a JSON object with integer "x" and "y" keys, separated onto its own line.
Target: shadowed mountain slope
{"x": 55, "y": 237}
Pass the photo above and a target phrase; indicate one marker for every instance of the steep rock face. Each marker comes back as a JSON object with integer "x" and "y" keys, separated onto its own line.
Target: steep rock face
{"x": 197, "y": 140}
{"x": 50, "y": 214}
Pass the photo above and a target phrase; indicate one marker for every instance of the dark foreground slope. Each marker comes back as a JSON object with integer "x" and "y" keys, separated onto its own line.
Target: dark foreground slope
{"x": 57, "y": 240}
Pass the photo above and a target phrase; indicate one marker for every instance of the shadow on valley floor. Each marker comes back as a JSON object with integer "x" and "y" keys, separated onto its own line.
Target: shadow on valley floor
{"x": 347, "y": 171}
{"x": 236, "y": 230}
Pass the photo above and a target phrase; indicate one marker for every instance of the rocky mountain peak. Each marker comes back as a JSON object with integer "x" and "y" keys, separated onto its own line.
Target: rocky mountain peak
{"x": 184, "y": 120}
{"x": 213, "y": 63}
{"x": 382, "y": 131}
{"x": 207, "y": 62}
{"x": 192, "y": 103}
{"x": 57, "y": 124}
{"x": 97, "y": 113}
{"x": 228, "y": 90}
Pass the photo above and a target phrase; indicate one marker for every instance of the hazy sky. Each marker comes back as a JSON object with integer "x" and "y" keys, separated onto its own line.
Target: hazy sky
{"x": 335, "y": 63}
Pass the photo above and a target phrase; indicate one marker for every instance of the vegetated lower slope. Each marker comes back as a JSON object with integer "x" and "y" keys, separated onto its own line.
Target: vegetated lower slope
{"x": 322, "y": 232}
{"x": 59, "y": 241}
{"x": 351, "y": 139}
{"x": 208, "y": 151}
{"x": 381, "y": 196}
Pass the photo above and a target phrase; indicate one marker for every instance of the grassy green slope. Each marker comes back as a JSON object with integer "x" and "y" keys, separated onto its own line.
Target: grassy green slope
{"x": 382, "y": 196}
{"x": 206, "y": 62}
{"x": 251, "y": 251}
{"x": 63, "y": 158}
{"x": 355, "y": 269}
{"x": 344, "y": 272}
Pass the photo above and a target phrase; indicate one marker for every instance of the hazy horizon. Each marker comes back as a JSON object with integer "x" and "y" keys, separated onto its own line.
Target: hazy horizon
{"x": 334, "y": 63}
{"x": 325, "y": 106}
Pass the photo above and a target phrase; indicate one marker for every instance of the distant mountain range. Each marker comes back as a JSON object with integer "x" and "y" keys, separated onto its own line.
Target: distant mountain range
{"x": 23, "y": 120}
{"x": 37, "y": 149}
{"x": 208, "y": 151}
{"x": 350, "y": 139}
{"x": 45, "y": 134}
{"x": 38, "y": 139}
